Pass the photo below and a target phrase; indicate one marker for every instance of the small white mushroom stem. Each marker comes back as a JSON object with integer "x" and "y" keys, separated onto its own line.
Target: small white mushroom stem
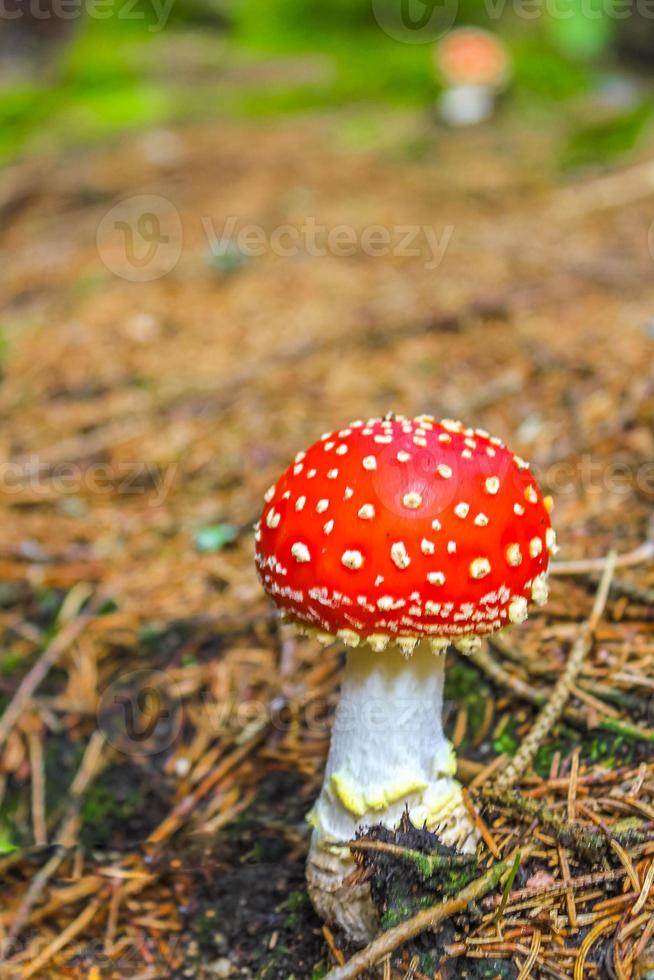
{"x": 388, "y": 752}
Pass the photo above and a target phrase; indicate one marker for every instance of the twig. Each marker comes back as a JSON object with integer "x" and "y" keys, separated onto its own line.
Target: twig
{"x": 337, "y": 953}
{"x": 619, "y": 727}
{"x": 530, "y": 962}
{"x": 558, "y": 888}
{"x": 183, "y": 810}
{"x": 69, "y": 633}
{"x": 638, "y": 593}
{"x": 643, "y": 553}
{"x": 569, "y": 891}
{"x": 88, "y": 769}
{"x": 554, "y": 707}
{"x": 588, "y": 843}
{"x": 598, "y": 930}
{"x": 645, "y": 892}
{"x": 37, "y": 777}
{"x": 426, "y": 919}
{"x": 427, "y": 864}
{"x": 62, "y": 940}
{"x": 503, "y": 678}
{"x": 38, "y": 883}
{"x": 639, "y": 949}
{"x": 482, "y": 659}
{"x": 476, "y": 818}
{"x": 607, "y": 192}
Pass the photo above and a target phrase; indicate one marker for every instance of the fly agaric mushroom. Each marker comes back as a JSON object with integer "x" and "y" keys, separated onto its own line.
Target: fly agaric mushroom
{"x": 398, "y": 537}
{"x": 474, "y": 65}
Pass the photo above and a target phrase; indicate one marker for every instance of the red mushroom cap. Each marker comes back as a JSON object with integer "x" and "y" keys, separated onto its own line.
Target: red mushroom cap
{"x": 472, "y": 56}
{"x": 405, "y": 529}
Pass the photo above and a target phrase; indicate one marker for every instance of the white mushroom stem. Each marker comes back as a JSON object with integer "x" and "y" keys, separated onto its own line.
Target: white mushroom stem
{"x": 388, "y": 752}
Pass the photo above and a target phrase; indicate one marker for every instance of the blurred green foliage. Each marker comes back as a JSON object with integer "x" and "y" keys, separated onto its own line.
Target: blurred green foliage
{"x": 167, "y": 61}
{"x": 606, "y": 140}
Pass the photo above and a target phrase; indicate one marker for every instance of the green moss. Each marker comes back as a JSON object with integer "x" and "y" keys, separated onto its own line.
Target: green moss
{"x": 486, "y": 969}
{"x": 120, "y": 804}
{"x": 10, "y": 663}
{"x": 400, "y": 911}
{"x": 429, "y": 964}
{"x": 50, "y": 601}
{"x": 296, "y": 901}
{"x": 295, "y": 905}
{"x": 15, "y": 827}
{"x": 506, "y": 740}
{"x": 597, "y": 747}
{"x": 7, "y": 843}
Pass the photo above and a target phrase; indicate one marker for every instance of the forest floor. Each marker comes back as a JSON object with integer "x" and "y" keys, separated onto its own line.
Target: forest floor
{"x": 155, "y": 780}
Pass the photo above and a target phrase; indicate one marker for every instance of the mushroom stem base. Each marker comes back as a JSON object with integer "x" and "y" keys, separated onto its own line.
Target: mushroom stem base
{"x": 341, "y": 900}
{"x": 337, "y": 900}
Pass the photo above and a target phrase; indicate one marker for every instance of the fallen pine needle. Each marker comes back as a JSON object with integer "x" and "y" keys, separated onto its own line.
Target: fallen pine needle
{"x": 554, "y": 707}
{"x": 476, "y": 818}
{"x": 62, "y": 940}
{"x": 68, "y": 634}
{"x": 643, "y": 553}
{"x": 525, "y": 972}
{"x": 598, "y": 930}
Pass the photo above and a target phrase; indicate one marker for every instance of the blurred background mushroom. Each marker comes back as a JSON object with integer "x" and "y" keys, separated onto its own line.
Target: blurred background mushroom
{"x": 474, "y": 67}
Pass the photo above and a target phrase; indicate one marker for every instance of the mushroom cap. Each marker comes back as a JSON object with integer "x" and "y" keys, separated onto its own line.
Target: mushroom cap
{"x": 472, "y": 56}
{"x": 405, "y": 529}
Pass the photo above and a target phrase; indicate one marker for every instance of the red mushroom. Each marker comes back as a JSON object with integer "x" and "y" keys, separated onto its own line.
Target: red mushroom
{"x": 471, "y": 56}
{"x": 398, "y": 535}
{"x": 474, "y": 65}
